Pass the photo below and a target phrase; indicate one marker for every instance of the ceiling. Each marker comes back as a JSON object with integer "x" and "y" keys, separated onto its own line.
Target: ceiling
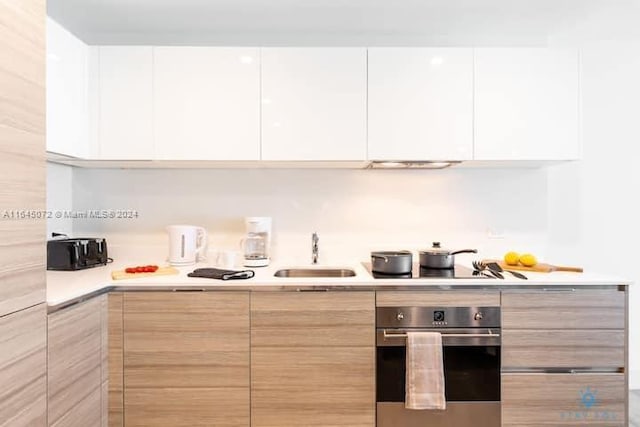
{"x": 326, "y": 22}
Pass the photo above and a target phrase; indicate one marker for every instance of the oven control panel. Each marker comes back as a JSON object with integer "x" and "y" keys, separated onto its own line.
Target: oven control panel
{"x": 439, "y": 317}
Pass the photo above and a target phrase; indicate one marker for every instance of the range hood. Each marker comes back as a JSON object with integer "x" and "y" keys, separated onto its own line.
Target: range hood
{"x": 411, "y": 164}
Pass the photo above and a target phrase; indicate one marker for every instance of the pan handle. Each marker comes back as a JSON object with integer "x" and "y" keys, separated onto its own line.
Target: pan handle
{"x": 465, "y": 251}
{"x": 380, "y": 257}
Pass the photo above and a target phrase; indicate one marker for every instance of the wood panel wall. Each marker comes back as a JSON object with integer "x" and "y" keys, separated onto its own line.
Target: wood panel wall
{"x": 22, "y": 225}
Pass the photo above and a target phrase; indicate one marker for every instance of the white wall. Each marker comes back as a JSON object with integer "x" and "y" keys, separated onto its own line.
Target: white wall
{"x": 593, "y": 205}
{"x": 59, "y": 197}
{"x": 354, "y": 211}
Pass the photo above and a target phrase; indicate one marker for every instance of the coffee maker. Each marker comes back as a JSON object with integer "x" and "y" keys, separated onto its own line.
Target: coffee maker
{"x": 255, "y": 245}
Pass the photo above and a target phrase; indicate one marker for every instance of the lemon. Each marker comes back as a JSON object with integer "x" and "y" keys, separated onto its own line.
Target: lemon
{"x": 528, "y": 260}
{"x": 511, "y": 258}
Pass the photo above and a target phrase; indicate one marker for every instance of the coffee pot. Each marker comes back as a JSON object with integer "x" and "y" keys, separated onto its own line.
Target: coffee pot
{"x": 255, "y": 245}
{"x": 187, "y": 244}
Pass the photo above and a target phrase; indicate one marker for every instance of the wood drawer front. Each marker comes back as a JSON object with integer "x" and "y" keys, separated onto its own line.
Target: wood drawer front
{"x": 313, "y": 386}
{"x": 564, "y": 310}
{"x": 438, "y": 299}
{"x": 187, "y": 407}
{"x": 86, "y": 412}
{"x": 74, "y": 359}
{"x": 313, "y": 359}
{"x": 312, "y": 319}
{"x": 601, "y": 348}
{"x": 186, "y": 339}
{"x": 556, "y": 400}
{"x": 23, "y": 364}
{"x": 116, "y": 360}
{"x": 186, "y": 359}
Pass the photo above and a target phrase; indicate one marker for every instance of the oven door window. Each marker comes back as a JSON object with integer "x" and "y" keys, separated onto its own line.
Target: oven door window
{"x": 472, "y": 373}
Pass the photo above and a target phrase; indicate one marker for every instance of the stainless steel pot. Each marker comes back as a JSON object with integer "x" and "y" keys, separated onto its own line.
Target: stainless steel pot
{"x": 436, "y": 257}
{"x": 391, "y": 262}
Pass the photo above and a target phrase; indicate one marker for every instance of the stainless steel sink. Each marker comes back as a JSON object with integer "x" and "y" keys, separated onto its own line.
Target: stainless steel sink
{"x": 315, "y": 272}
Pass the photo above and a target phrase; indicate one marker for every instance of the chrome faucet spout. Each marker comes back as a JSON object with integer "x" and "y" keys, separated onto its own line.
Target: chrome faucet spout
{"x": 314, "y": 248}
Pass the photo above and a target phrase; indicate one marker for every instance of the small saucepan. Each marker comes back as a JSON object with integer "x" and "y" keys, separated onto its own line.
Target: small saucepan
{"x": 436, "y": 257}
{"x": 391, "y": 262}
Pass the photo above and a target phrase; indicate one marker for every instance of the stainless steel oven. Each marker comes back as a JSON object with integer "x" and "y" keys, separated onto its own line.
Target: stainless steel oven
{"x": 471, "y": 353}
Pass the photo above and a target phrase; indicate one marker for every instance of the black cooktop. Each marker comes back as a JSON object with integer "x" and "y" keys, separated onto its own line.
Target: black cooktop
{"x": 458, "y": 272}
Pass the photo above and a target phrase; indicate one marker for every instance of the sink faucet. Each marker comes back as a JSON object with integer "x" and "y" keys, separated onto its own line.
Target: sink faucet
{"x": 314, "y": 248}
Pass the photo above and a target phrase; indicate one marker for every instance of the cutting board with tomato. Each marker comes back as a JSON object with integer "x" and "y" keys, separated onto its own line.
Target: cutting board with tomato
{"x": 161, "y": 271}
{"x": 538, "y": 268}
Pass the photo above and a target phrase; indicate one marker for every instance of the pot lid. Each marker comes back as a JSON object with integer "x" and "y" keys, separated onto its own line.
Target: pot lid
{"x": 436, "y": 250}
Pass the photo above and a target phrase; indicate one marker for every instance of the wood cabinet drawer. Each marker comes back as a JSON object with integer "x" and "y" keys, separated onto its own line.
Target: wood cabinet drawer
{"x": 438, "y": 299}
{"x": 564, "y": 310}
{"x": 115, "y": 360}
{"x": 23, "y": 368}
{"x": 563, "y": 400}
{"x": 312, "y": 319}
{"x": 186, "y": 359}
{"x": 86, "y": 412}
{"x": 187, "y": 407}
{"x": 74, "y": 362}
{"x": 602, "y": 348}
{"x": 312, "y": 359}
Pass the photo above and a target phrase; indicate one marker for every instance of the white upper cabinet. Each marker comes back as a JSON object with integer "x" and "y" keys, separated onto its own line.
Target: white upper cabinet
{"x": 314, "y": 103}
{"x": 125, "y": 106}
{"x": 67, "y": 120}
{"x": 206, "y": 103}
{"x": 420, "y": 103}
{"x": 526, "y": 104}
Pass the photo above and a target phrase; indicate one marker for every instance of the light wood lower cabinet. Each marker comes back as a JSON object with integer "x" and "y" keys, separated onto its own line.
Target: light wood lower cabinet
{"x": 115, "y": 389}
{"x": 563, "y": 400}
{"x": 76, "y": 349}
{"x": 312, "y": 359}
{"x": 582, "y": 331}
{"x": 186, "y": 359}
{"x": 573, "y": 348}
{"x": 579, "y": 309}
{"x": 23, "y": 364}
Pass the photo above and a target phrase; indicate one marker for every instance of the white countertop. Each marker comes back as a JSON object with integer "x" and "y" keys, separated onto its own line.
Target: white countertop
{"x": 64, "y": 286}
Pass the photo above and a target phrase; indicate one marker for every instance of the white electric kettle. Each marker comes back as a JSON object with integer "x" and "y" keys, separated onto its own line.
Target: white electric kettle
{"x": 187, "y": 244}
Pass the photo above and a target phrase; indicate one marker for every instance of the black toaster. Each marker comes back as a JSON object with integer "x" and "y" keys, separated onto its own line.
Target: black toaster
{"x": 76, "y": 254}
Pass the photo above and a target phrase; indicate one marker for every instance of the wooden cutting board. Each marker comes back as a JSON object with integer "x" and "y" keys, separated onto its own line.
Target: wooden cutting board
{"x": 538, "y": 268}
{"x": 162, "y": 271}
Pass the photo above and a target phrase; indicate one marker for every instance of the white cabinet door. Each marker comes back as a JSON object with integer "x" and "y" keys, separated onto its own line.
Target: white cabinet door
{"x": 420, "y": 104}
{"x": 314, "y": 103}
{"x": 526, "y": 104}
{"x": 67, "y": 120}
{"x": 125, "y": 127}
{"x": 207, "y": 103}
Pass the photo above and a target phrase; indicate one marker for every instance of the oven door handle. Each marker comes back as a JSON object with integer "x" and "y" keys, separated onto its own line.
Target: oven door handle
{"x": 489, "y": 334}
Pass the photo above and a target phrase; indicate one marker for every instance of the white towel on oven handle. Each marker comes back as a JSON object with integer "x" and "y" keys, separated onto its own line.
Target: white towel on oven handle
{"x": 424, "y": 388}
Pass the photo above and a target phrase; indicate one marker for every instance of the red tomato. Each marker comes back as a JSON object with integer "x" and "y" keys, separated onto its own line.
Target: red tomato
{"x": 142, "y": 269}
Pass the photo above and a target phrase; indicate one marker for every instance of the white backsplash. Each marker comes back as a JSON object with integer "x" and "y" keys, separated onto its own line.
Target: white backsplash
{"x": 59, "y": 197}
{"x": 353, "y": 211}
